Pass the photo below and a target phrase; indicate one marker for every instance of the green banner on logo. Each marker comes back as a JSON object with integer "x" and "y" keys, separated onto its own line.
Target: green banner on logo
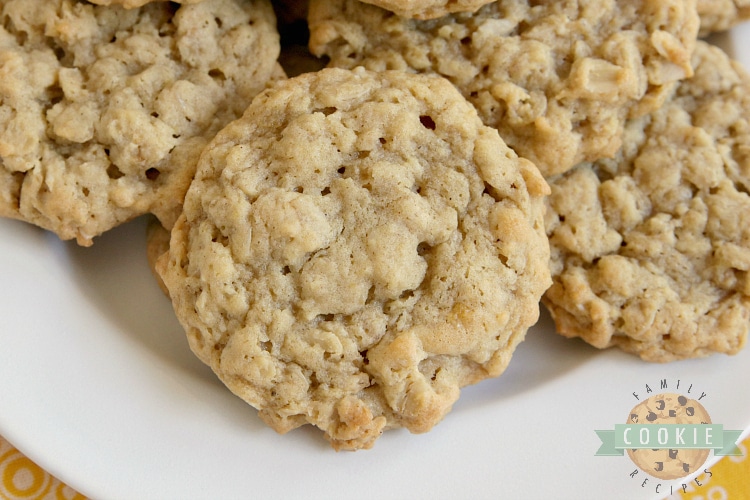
{"x": 608, "y": 449}
{"x": 668, "y": 436}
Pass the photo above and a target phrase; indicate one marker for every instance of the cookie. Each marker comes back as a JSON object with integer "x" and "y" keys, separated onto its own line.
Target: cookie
{"x": 104, "y": 111}
{"x": 354, "y": 250}
{"x": 428, "y": 9}
{"x": 556, "y": 78}
{"x": 721, "y": 15}
{"x": 651, "y": 250}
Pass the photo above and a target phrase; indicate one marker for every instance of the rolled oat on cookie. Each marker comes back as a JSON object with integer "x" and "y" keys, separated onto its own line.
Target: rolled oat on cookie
{"x": 104, "y": 110}
{"x": 651, "y": 249}
{"x": 557, "y": 78}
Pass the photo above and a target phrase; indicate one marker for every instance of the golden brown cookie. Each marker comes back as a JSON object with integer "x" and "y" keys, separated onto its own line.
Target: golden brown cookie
{"x": 355, "y": 249}
{"x": 651, "y": 250}
{"x": 104, "y": 111}
{"x": 556, "y": 78}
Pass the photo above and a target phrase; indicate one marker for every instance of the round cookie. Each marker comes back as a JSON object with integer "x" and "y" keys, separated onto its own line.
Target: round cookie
{"x": 721, "y": 15}
{"x": 651, "y": 250}
{"x": 104, "y": 111}
{"x": 556, "y": 78}
{"x": 669, "y": 408}
{"x": 355, "y": 249}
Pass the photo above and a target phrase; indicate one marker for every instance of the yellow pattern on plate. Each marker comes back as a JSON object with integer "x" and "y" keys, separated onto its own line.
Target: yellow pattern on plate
{"x": 20, "y": 478}
{"x": 729, "y": 479}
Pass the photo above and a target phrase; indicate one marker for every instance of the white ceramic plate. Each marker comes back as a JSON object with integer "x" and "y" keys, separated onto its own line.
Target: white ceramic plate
{"x": 98, "y": 386}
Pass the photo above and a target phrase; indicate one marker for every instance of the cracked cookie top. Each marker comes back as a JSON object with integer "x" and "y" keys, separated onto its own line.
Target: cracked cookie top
{"x": 651, "y": 249}
{"x": 103, "y": 110}
{"x": 556, "y": 78}
{"x": 355, "y": 249}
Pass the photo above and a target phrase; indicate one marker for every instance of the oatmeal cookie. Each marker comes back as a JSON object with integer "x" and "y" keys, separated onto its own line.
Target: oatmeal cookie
{"x": 721, "y": 15}
{"x": 355, "y": 249}
{"x": 651, "y": 250}
{"x": 556, "y": 78}
{"x": 103, "y": 110}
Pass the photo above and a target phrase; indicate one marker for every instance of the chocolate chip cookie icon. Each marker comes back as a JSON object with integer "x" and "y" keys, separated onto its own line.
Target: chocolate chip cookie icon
{"x": 669, "y": 408}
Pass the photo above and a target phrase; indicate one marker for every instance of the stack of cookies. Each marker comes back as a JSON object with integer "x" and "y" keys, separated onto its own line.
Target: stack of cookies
{"x": 353, "y": 229}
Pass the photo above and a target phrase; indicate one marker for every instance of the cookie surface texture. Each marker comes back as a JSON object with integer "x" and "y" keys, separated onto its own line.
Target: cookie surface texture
{"x": 104, "y": 110}
{"x": 131, "y": 4}
{"x": 428, "y": 9}
{"x": 721, "y": 15}
{"x": 556, "y": 78}
{"x": 651, "y": 250}
{"x": 355, "y": 249}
